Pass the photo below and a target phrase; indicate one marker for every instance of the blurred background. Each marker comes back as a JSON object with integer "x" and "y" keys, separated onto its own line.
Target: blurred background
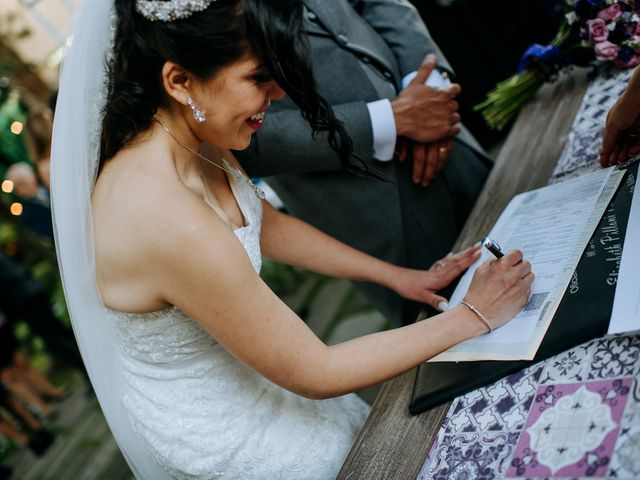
{"x": 50, "y": 423}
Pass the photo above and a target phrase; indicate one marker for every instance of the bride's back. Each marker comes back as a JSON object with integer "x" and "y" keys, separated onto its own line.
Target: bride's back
{"x": 134, "y": 189}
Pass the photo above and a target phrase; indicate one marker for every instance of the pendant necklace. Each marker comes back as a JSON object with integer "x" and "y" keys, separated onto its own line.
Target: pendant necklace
{"x": 236, "y": 173}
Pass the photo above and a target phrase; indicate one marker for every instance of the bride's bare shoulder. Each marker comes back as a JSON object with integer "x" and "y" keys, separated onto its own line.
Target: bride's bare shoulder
{"x": 143, "y": 217}
{"x": 142, "y": 179}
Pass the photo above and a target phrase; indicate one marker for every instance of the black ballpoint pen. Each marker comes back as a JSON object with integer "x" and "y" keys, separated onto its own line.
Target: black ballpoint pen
{"x": 492, "y": 246}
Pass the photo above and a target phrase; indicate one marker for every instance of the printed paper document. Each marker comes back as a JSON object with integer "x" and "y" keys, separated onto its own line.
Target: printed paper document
{"x": 552, "y": 226}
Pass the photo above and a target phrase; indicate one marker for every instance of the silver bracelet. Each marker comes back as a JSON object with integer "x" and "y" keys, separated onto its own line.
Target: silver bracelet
{"x": 478, "y": 314}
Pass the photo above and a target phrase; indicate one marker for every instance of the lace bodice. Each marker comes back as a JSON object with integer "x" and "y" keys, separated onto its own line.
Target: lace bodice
{"x": 202, "y": 414}
{"x": 251, "y": 208}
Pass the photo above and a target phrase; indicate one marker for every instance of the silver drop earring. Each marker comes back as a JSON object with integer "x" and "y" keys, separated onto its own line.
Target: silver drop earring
{"x": 198, "y": 115}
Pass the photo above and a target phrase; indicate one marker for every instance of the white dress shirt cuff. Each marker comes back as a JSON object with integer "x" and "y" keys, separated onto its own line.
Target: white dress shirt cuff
{"x": 436, "y": 80}
{"x": 383, "y": 125}
{"x": 407, "y": 78}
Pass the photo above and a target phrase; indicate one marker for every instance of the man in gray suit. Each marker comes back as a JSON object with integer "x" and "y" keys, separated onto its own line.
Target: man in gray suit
{"x": 362, "y": 50}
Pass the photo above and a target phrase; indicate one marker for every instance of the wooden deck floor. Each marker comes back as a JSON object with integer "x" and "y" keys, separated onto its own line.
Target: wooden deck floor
{"x": 84, "y": 448}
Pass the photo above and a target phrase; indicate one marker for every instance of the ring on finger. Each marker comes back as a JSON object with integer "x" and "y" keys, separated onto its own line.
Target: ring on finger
{"x": 439, "y": 264}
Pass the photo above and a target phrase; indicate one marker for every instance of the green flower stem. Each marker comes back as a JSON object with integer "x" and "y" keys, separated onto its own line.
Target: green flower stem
{"x": 509, "y": 96}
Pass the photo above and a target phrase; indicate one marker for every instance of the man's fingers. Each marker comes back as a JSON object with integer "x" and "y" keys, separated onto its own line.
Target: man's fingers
{"x": 419, "y": 160}
{"x": 433, "y": 151}
{"x": 454, "y": 89}
{"x": 427, "y": 66}
{"x": 443, "y": 159}
{"x": 402, "y": 149}
{"x": 443, "y": 153}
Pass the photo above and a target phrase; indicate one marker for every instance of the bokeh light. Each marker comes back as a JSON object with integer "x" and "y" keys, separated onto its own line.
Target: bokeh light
{"x": 7, "y": 186}
{"x": 17, "y": 127}
{"x": 16, "y": 209}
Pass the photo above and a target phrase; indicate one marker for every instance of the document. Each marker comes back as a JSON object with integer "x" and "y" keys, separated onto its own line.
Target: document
{"x": 552, "y": 226}
{"x": 625, "y": 316}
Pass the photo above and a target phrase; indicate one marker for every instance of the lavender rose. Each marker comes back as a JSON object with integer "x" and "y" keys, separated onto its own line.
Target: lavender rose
{"x": 598, "y": 31}
{"x": 606, "y": 50}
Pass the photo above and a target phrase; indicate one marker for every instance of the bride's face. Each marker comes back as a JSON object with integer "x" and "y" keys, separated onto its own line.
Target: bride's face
{"x": 235, "y": 102}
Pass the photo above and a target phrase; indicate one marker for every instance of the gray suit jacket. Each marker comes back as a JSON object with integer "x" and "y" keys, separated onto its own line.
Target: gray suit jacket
{"x": 396, "y": 220}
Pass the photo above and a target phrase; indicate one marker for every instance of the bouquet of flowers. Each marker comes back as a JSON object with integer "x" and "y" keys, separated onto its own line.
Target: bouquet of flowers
{"x": 594, "y": 32}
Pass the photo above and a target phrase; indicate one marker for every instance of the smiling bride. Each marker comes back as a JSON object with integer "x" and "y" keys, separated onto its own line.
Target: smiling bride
{"x": 201, "y": 370}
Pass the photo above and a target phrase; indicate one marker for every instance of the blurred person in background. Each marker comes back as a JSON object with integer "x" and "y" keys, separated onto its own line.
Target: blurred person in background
{"x": 22, "y": 390}
{"x": 22, "y": 296}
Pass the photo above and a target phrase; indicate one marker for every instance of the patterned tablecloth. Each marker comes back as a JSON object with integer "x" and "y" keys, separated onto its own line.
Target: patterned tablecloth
{"x": 575, "y": 415}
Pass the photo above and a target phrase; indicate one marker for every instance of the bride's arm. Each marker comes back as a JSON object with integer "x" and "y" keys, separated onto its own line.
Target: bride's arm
{"x": 288, "y": 240}
{"x": 200, "y": 267}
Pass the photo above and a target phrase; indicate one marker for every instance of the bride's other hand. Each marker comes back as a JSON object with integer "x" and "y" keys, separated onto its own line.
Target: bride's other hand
{"x": 422, "y": 285}
{"x": 500, "y": 288}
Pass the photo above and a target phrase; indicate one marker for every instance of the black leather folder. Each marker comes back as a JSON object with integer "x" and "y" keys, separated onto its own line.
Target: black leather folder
{"x": 583, "y": 313}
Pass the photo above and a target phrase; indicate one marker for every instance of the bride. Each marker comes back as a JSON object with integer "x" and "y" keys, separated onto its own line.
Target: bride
{"x": 201, "y": 370}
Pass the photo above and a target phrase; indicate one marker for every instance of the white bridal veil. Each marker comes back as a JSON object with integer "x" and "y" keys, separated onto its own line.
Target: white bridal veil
{"x": 76, "y": 142}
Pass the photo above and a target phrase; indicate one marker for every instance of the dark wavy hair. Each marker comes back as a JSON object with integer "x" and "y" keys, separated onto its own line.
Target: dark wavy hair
{"x": 202, "y": 44}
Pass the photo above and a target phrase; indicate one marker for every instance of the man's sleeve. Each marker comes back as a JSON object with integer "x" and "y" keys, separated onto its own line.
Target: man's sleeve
{"x": 285, "y": 143}
{"x": 400, "y": 25}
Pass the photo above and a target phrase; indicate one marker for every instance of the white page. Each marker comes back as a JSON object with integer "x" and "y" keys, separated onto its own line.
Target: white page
{"x": 552, "y": 226}
{"x": 625, "y": 316}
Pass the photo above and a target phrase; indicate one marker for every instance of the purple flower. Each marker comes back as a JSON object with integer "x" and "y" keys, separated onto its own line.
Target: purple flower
{"x": 598, "y": 31}
{"x": 625, "y": 54}
{"x": 610, "y": 13}
{"x": 606, "y": 51}
{"x": 631, "y": 62}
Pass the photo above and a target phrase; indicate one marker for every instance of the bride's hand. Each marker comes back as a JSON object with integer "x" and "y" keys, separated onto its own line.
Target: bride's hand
{"x": 421, "y": 285}
{"x": 500, "y": 288}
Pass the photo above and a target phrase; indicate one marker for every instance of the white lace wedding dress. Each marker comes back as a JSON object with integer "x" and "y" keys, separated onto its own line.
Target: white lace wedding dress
{"x": 203, "y": 415}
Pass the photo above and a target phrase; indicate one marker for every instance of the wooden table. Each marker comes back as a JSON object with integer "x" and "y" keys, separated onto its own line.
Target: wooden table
{"x": 393, "y": 444}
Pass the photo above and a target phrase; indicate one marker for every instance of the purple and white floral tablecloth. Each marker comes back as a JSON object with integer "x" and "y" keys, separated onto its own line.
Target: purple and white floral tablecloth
{"x": 575, "y": 415}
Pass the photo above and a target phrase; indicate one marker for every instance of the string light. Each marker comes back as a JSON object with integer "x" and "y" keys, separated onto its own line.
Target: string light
{"x": 16, "y": 209}
{"x": 17, "y": 127}
{"x": 7, "y": 186}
